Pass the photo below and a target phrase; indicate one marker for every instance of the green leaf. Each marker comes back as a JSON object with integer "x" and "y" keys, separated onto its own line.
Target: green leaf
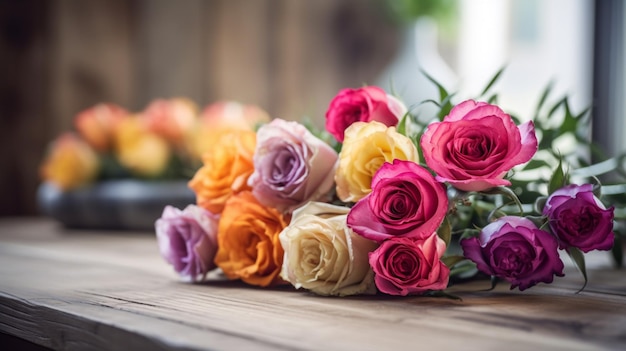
{"x": 540, "y": 203}
{"x": 441, "y": 293}
{"x": 534, "y": 164}
{"x": 445, "y": 231}
{"x": 464, "y": 270}
{"x": 443, "y": 93}
{"x": 579, "y": 260}
{"x": 542, "y": 99}
{"x": 470, "y": 233}
{"x": 556, "y": 107}
{"x": 557, "y": 180}
{"x": 452, "y": 260}
{"x": 616, "y": 251}
{"x": 501, "y": 190}
{"x": 444, "y": 97}
{"x": 492, "y": 81}
{"x": 494, "y": 282}
{"x": 401, "y": 128}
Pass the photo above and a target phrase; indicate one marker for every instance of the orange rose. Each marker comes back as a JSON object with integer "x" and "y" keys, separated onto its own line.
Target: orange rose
{"x": 97, "y": 124}
{"x": 248, "y": 244}
{"x": 70, "y": 163}
{"x": 225, "y": 171}
{"x": 221, "y": 117}
{"x": 172, "y": 119}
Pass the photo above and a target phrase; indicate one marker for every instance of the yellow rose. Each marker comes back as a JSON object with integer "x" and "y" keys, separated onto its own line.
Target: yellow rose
{"x": 366, "y": 146}
{"x": 225, "y": 171}
{"x": 141, "y": 151}
{"x": 70, "y": 163}
{"x": 325, "y": 256}
{"x": 248, "y": 244}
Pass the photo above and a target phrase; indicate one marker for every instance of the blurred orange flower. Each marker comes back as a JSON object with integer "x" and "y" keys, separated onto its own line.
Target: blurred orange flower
{"x": 248, "y": 244}
{"x": 225, "y": 170}
{"x": 96, "y": 124}
{"x": 172, "y": 119}
{"x": 223, "y": 117}
{"x": 70, "y": 162}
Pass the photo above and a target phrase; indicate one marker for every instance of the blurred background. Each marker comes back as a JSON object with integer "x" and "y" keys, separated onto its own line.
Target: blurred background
{"x": 290, "y": 57}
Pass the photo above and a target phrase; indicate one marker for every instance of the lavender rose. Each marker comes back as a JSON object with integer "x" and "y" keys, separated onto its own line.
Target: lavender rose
{"x": 188, "y": 240}
{"x": 476, "y": 145}
{"x": 513, "y": 248}
{"x": 291, "y": 166}
{"x": 579, "y": 219}
{"x": 406, "y": 201}
{"x": 406, "y": 266}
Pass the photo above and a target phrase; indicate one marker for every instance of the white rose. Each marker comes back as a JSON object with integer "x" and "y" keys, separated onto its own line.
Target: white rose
{"x": 323, "y": 255}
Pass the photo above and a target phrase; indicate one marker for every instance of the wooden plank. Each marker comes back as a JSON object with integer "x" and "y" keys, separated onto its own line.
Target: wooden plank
{"x": 107, "y": 290}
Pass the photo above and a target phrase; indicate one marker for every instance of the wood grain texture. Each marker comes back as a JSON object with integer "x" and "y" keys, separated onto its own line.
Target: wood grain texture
{"x": 72, "y": 290}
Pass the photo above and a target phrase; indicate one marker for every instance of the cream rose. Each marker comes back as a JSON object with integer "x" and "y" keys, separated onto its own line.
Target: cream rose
{"x": 323, "y": 255}
{"x": 366, "y": 147}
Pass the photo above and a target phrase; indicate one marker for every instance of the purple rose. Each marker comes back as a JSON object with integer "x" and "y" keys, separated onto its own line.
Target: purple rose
{"x": 579, "y": 219}
{"x": 513, "y": 248}
{"x": 291, "y": 166}
{"x": 406, "y": 201}
{"x": 188, "y": 240}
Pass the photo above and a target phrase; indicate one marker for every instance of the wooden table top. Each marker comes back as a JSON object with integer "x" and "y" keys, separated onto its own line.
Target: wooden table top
{"x": 81, "y": 290}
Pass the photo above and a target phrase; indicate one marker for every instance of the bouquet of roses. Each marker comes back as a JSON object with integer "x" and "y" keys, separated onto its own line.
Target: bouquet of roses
{"x": 372, "y": 204}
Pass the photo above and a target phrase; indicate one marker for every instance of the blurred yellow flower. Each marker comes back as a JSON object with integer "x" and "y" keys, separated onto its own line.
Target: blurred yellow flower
{"x": 70, "y": 162}
{"x": 138, "y": 149}
{"x": 366, "y": 146}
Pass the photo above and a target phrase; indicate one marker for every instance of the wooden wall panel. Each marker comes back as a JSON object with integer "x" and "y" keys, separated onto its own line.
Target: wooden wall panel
{"x": 60, "y": 57}
{"x": 24, "y": 101}
{"x": 238, "y": 51}
{"x": 170, "y": 60}
{"x": 91, "y": 57}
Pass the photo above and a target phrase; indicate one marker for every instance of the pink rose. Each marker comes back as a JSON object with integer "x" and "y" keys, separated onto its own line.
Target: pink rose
{"x": 579, "y": 219}
{"x": 364, "y": 104}
{"x": 476, "y": 145}
{"x": 188, "y": 240}
{"x": 404, "y": 266}
{"x": 406, "y": 201}
{"x": 513, "y": 248}
{"x": 291, "y": 166}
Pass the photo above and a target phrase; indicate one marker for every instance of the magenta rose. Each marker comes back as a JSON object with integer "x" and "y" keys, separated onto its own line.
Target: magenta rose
{"x": 406, "y": 201}
{"x": 365, "y": 104}
{"x": 476, "y": 145}
{"x": 291, "y": 166}
{"x": 188, "y": 240}
{"x": 578, "y": 218}
{"x": 404, "y": 266}
{"x": 513, "y": 248}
